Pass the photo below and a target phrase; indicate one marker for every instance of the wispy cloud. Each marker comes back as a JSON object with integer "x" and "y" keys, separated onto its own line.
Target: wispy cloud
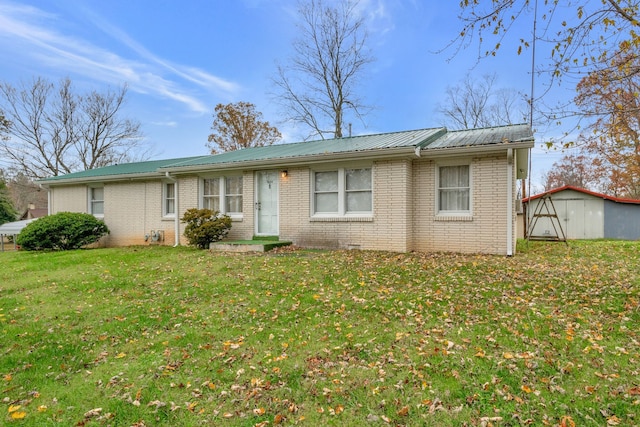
{"x": 34, "y": 30}
{"x": 169, "y": 124}
{"x": 377, "y": 14}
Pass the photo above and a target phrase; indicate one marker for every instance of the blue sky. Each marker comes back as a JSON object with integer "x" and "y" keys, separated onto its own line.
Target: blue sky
{"x": 181, "y": 58}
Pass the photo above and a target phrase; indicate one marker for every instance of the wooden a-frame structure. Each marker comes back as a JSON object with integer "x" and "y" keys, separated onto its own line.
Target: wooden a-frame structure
{"x": 546, "y": 209}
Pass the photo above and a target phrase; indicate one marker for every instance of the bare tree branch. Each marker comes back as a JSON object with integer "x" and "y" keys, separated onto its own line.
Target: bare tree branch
{"x": 477, "y": 103}
{"x": 55, "y": 131}
{"x": 580, "y": 38}
{"x": 318, "y": 86}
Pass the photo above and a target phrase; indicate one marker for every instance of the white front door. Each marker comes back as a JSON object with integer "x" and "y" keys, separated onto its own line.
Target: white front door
{"x": 266, "y": 204}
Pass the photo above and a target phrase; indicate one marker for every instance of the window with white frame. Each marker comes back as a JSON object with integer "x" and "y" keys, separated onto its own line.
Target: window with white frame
{"x": 223, "y": 194}
{"x": 233, "y": 194}
{"x": 96, "y": 201}
{"x": 342, "y": 192}
{"x": 169, "y": 199}
{"x": 454, "y": 189}
{"x": 211, "y": 194}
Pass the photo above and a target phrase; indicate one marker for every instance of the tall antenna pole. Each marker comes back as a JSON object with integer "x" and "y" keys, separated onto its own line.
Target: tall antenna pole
{"x": 531, "y": 98}
{"x": 533, "y": 61}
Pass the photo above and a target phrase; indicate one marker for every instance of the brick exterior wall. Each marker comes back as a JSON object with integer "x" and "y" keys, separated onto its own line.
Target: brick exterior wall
{"x": 132, "y": 210}
{"x": 404, "y": 209}
{"x": 484, "y": 231}
{"x": 386, "y": 230}
{"x": 69, "y": 199}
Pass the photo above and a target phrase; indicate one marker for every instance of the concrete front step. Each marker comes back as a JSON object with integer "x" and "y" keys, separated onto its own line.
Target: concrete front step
{"x": 248, "y": 245}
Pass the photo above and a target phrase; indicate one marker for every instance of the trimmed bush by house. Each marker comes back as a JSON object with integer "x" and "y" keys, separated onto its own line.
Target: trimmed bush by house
{"x": 205, "y": 226}
{"x": 62, "y": 231}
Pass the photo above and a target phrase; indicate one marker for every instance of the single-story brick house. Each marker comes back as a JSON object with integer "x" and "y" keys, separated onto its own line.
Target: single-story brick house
{"x": 585, "y": 214}
{"x": 419, "y": 190}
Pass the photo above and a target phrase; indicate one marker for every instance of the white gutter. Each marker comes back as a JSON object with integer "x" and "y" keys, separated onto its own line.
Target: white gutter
{"x": 510, "y": 202}
{"x": 176, "y": 221}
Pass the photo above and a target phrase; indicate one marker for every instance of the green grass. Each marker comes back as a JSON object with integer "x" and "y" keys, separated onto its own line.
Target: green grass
{"x": 181, "y": 337}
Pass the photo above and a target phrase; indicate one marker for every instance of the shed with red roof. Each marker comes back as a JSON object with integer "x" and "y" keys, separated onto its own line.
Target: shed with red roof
{"x": 585, "y": 214}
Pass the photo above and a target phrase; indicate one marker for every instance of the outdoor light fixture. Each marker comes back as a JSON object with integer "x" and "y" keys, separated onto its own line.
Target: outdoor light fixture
{"x": 284, "y": 174}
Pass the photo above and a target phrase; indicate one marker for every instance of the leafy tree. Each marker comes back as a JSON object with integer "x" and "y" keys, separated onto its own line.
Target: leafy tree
{"x": 477, "y": 103}
{"x": 581, "y": 35}
{"x": 7, "y": 211}
{"x": 4, "y": 127}
{"x": 55, "y": 130}
{"x": 62, "y": 231}
{"x": 611, "y": 97}
{"x": 317, "y": 88}
{"x": 238, "y": 125}
{"x": 579, "y": 38}
{"x": 578, "y": 170}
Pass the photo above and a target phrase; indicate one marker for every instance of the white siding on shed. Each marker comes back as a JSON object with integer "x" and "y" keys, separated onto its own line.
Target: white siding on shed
{"x": 581, "y": 216}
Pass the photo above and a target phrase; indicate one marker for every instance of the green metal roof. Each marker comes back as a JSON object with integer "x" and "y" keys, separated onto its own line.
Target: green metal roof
{"x": 414, "y": 138}
{"x": 484, "y": 136}
{"x": 422, "y": 139}
{"x": 136, "y": 168}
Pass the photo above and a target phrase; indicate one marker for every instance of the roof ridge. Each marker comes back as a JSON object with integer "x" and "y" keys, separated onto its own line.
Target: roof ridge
{"x": 487, "y": 127}
{"x": 389, "y": 133}
{"x": 366, "y": 135}
{"x": 345, "y": 138}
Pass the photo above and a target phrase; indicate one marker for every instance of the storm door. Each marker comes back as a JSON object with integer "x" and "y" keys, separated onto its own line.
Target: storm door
{"x": 266, "y": 205}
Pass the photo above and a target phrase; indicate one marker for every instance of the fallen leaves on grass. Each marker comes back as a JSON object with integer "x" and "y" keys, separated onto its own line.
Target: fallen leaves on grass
{"x": 16, "y": 412}
{"x": 320, "y": 336}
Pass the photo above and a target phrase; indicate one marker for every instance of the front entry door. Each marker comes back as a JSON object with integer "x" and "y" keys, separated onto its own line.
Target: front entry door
{"x": 266, "y": 205}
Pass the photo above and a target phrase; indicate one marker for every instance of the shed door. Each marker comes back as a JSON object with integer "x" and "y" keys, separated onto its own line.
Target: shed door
{"x": 581, "y": 219}
{"x": 266, "y": 206}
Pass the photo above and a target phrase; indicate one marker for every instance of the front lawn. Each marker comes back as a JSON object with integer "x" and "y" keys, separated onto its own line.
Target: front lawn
{"x": 149, "y": 336}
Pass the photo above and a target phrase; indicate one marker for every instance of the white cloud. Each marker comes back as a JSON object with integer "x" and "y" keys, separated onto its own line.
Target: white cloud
{"x": 35, "y": 31}
{"x": 377, "y": 14}
{"x": 170, "y": 124}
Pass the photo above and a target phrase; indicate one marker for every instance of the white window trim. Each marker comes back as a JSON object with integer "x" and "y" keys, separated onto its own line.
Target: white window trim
{"x": 90, "y": 200}
{"x": 165, "y": 184}
{"x": 342, "y": 194}
{"x": 201, "y": 190}
{"x": 453, "y": 213}
{"x": 222, "y": 179}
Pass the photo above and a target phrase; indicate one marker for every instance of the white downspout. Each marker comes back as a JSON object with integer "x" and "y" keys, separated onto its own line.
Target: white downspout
{"x": 510, "y": 202}
{"x": 176, "y": 221}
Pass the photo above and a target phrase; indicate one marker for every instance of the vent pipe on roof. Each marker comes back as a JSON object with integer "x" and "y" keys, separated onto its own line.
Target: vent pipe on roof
{"x": 349, "y": 130}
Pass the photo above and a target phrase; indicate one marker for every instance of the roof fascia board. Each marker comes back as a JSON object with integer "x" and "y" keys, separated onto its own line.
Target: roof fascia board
{"x": 100, "y": 178}
{"x": 481, "y": 149}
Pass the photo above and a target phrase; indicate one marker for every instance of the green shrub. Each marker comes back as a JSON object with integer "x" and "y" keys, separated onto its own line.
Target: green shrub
{"x": 62, "y": 231}
{"x": 205, "y": 226}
